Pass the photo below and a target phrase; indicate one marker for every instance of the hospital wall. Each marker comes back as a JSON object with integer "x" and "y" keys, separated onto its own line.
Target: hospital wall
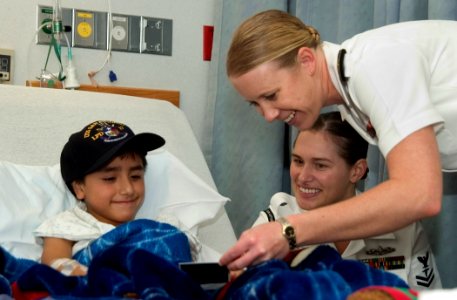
{"x": 185, "y": 70}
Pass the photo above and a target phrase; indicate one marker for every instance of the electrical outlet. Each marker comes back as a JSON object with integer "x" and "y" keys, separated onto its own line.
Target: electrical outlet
{"x": 157, "y": 36}
{"x": 44, "y": 27}
{"x": 6, "y": 66}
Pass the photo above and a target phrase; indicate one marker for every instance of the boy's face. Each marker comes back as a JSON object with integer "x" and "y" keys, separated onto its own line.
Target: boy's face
{"x": 115, "y": 193}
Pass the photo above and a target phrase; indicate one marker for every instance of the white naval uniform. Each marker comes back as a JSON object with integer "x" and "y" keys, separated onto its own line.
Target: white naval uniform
{"x": 405, "y": 252}
{"x": 402, "y": 77}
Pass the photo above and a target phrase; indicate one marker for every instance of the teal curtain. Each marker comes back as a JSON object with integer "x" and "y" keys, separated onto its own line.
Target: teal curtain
{"x": 247, "y": 152}
{"x": 248, "y": 157}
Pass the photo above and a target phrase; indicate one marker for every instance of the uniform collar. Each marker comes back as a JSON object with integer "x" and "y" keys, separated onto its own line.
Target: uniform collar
{"x": 347, "y": 110}
{"x": 331, "y": 56}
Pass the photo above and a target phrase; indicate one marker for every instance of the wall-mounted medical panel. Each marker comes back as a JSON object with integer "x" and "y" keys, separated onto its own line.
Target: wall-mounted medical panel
{"x": 90, "y": 29}
{"x": 157, "y": 36}
{"x": 44, "y": 26}
{"x": 120, "y": 32}
{"x": 6, "y": 66}
{"x": 84, "y": 29}
{"x": 126, "y": 33}
{"x": 134, "y": 34}
{"x": 101, "y": 30}
{"x": 94, "y": 30}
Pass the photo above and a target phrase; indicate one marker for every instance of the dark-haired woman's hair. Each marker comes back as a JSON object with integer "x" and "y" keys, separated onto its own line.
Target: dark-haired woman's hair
{"x": 351, "y": 146}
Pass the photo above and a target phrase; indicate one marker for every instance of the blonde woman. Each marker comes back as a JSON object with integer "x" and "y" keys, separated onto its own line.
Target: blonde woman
{"x": 395, "y": 85}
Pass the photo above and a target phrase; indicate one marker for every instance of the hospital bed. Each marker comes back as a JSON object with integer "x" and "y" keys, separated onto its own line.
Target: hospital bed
{"x": 36, "y": 122}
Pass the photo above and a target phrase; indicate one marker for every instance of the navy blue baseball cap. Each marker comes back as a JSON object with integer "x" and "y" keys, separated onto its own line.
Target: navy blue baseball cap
{"x": 97, "y": 144}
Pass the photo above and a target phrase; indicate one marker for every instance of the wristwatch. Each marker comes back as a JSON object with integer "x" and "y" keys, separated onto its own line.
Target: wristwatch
{"x": 288, "y": 232}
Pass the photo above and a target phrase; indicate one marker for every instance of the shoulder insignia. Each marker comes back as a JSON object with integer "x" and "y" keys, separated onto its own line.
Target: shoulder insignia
{"x": 428, "y": 274}
{"x": 270, "y": 215}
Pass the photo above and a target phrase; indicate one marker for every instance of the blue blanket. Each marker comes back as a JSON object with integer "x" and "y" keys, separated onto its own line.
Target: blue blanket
{"x": 136, "y": 259}
{"x": 140, "y": 259}
{"x": 322, "y": 275}
{"x": 158, "y": 238}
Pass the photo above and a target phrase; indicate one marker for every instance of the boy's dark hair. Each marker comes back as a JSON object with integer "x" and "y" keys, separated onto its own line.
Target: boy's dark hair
{"x": 97, "y": 144}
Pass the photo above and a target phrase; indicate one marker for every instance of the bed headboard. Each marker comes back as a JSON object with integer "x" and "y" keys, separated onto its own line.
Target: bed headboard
{"x": 36, "y": 122}
{"x": 167, "y": 95}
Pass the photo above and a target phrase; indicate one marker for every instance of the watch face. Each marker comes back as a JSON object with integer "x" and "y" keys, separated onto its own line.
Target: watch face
{"x": 289, "y": 231}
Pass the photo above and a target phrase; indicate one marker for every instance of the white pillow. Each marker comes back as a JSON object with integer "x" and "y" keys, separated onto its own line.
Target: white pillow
{"x": 30, "y": 194}
{"x": 173, "y": 189}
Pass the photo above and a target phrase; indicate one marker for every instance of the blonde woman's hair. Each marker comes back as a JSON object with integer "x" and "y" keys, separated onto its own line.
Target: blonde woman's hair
{"x": 271, "y": 35}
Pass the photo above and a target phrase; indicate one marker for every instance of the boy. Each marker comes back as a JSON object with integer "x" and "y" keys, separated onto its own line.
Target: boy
{"x": 103, "y": 165}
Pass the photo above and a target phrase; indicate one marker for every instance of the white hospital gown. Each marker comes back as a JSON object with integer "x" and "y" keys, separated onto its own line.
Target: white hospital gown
{"x": 81, "y": 227}
{"x": 74, "y": 225}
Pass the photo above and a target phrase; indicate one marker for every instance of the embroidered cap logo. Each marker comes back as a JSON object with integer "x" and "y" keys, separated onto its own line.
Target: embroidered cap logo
{"x": 106, "y": 131}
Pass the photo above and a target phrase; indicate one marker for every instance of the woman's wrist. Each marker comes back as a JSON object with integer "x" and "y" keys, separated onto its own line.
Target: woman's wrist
{"x": 288, "y": 232}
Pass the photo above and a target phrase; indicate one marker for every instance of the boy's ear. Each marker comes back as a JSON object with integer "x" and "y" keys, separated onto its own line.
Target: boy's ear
{"x": 358, "y": 170}
{"x": 78, "y": 188}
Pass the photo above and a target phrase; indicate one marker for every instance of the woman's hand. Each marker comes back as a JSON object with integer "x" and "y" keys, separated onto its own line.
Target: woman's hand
{"x": 256, "y": 245}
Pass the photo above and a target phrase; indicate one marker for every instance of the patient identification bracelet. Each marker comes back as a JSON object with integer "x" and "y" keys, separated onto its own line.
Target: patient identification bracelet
{"x": 288, "y": 232}
{"x": 66, "y": 266}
